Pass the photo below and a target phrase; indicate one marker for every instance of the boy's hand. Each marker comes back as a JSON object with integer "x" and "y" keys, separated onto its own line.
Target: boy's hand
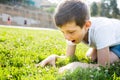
{"x": 49, "y": 60}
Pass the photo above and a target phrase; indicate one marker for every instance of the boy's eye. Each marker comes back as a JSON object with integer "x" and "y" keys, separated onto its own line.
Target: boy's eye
{"x": 71, "y": 32}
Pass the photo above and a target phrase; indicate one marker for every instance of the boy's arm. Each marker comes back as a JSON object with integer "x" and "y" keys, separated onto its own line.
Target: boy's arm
{"x": 103, "y": 56}
{"x": 92, "y": 54}
{"x": 70, "y": 50}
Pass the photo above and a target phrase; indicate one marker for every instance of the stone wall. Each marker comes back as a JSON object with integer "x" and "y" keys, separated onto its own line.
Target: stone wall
{"x": 18, "y": 14}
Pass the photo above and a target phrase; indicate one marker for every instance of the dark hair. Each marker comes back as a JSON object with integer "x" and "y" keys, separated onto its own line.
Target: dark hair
{"x": 71, "y": 10}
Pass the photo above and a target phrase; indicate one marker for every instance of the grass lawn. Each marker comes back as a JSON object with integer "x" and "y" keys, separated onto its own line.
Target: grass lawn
{"x": 21, "y": 49}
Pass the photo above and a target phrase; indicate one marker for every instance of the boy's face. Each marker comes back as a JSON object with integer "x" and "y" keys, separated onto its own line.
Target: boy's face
{"x": 73, "y": 32}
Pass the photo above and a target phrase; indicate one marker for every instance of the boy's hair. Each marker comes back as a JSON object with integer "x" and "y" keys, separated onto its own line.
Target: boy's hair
{"x": 71, "y": 10}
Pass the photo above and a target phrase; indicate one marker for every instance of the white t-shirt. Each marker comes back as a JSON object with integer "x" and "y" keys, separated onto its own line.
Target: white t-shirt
{"x": 104, "y": 32}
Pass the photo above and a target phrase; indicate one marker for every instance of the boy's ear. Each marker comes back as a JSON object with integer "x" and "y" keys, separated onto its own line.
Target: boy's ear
{"x": 87, "y": 24}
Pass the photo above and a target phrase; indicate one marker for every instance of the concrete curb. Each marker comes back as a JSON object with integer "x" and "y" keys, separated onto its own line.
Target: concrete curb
{"x": 24, "y": 27}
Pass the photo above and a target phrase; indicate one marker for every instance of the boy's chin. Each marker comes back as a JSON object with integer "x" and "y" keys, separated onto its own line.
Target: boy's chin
{"x": 76, "y": 42}
{"x": 70, "y": 42}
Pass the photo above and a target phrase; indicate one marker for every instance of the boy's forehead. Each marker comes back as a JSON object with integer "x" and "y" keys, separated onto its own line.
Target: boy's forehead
{"x": 69, "y": 26}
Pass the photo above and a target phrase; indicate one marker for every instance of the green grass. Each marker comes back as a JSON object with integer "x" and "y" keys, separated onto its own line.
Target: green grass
{"x": 21, "y": 49}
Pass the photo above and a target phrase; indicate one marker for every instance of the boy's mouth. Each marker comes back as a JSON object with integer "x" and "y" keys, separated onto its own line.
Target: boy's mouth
{"x": 73, "y": 41}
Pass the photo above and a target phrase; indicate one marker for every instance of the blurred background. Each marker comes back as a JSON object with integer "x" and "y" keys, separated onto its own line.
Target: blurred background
{"x": 39, "y": 13}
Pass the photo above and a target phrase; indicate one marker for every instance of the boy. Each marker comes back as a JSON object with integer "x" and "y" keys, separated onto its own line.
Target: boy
{"x": 101, "y": 34}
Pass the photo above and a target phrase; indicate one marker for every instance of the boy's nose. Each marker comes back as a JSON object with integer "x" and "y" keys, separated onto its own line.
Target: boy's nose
{"x": 68, "y": 37}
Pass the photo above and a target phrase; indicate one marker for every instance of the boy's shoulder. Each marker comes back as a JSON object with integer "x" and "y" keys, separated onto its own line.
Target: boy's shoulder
{"x": 103, "y": 21}
{"x": 104, "y": 32}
